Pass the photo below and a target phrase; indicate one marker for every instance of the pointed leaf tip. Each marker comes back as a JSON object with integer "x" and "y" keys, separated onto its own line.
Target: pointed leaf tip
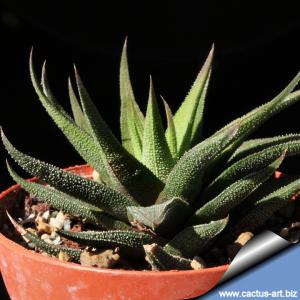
{"x": 76, "y": 108}
{"x": 131, "y": 117}
{"x": 18, "y": 227}
{"x": 30, "y": 55}
{"x": 156, "y": 154}
{"x": 188, "y": 119}
{"x": 125, "y": 43}
{"x": 170, "y": 133}
{"x": 76, "y": 72}
{"x": 280, "y": 159}
{"x": 2, "y": 132}
{"x": 256, "y": 117}
{"x": 44, "y": 66}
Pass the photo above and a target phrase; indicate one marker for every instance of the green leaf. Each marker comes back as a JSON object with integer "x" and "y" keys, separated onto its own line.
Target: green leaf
{"x": 188, "y": 118}
{"x": 192, "y": 240}
{"x": 131, "y": 119}
{"x": 220, "y": 206}
{"x": 250, "y": 163}
{"x": 196, "y": 135}
{"x": 53, "y": 250}
{"x": 262, "y": 210}
{"x": 267, "y": 188}
{"x": 160, "y": 260}
{"x": 99, "y": 195}
{"x": 171, "y": 132}
{"x": 255, "y": 118}
{"x": 68, "y": 204}
{"x": 255, "y": 145}
{"x": 163, "y": 218}
{"x": 127, "y": 174}
{"x": 285, "y": 193}
{"x": 80, "y": 139}
{"x": 76, "y": 108}
{"x": 131, "y": 240}
{"x": 185, "y": 179}
{"x": 46, "y": 89}
{"x": 156, "y": 154}
{"x": 109, "y": 148}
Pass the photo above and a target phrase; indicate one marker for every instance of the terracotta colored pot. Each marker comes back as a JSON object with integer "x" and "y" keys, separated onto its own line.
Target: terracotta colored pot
{"x": 30, "y": 275}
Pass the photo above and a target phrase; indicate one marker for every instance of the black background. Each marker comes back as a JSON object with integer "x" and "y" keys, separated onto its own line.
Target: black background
{"x": 257, "y": 54}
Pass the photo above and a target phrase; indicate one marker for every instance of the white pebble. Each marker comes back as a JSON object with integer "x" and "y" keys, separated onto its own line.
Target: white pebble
{"x": 45, "y": 236}
{"x": 67, "y": 225}
{"x": 31, "y": 245}
{"x": 46, "y": 215}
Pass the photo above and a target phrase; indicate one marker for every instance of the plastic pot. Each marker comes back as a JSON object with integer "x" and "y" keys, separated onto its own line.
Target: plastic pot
{"x": 30, "y": 275}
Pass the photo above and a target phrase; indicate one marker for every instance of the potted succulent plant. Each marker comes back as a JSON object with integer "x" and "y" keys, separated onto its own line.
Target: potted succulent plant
{"x": 144, "y": 217}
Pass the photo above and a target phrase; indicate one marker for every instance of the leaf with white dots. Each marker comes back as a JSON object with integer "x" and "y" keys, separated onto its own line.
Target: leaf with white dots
{"x": 76, "y": 108}
{"x": 42, "y": 245}
{"x": 91, "y": 192}
{"x": 69, "y": 204}
{"x": 252, "y": 146}
{"x": 258, "y": 116}
{"x": 131, "y": 117}
{"x": 221, "y": 205}
{"x": 185, "y": 179}
{"x": 191, "y": 241}
{"x": 250, "y": 163}
{"x": 156, "y": 153}
{"x": 261, "y": 210}
{"x": 171, "y": 131}
{"x": 131, "y": 240}
{"x": 79, "y": 138}
{"x": 126, "y": 173}
{"x": 188, "y": 119}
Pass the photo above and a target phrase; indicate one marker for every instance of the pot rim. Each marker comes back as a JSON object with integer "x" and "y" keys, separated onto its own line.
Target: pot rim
{"x": 15, "y": 247}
